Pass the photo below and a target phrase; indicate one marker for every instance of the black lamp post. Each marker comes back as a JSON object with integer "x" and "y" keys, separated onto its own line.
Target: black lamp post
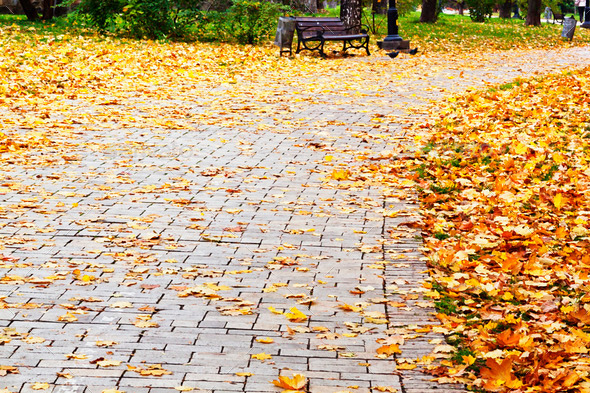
{"x": 392, "y": 30}
{"x": 586, "y": 23}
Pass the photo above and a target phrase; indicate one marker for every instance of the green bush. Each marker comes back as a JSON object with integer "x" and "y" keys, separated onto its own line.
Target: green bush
{"x": 141, "y": 18}
{"x": 147, "y": 18}
{"x": 252, "y": 22}
{"x": 246, "y": 21}
{"x": 101, "y": 14}
{"x": 480, "y": 10}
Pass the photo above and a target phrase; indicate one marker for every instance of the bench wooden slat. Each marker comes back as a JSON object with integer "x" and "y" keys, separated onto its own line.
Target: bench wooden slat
{"x": 319, "y": 30}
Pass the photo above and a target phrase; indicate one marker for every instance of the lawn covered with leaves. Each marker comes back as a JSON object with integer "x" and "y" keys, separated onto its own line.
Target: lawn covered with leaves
{"x": 504, "y": 186}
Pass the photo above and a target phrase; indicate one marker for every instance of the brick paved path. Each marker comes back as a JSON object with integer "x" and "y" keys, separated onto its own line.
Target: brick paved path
{"x": 147, "y": 246}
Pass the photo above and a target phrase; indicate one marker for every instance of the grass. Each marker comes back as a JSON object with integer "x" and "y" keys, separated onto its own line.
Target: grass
{"x": 56, "y": 25}
{"x": 457, "y": 32}
{"x": 495, "y": 34}
{"x": 451, "y": 33}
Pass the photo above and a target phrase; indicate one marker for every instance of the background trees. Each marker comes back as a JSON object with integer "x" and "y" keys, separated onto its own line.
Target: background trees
{"x": 247, "y": 21}
{"x": 48, "y": 9}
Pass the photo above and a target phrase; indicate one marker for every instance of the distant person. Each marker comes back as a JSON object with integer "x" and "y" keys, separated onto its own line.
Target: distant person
{"x": 581, "y": 4}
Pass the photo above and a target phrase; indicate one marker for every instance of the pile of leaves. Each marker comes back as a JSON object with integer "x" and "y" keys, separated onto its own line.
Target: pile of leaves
{"x": 504, "y": 187}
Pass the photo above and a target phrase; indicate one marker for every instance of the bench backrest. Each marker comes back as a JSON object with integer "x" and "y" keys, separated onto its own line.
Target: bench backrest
{"x": 309, "y": 26}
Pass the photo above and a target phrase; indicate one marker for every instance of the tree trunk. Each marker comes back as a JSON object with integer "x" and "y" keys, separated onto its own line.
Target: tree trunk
{"x": 506, "y": 9}
{"x": 429, "y": 11}
{"x": 311, "y": 6}
{"x": 533, "y": 15}
{"x": 461, "y": 5}
{"x": 29, "y": 9}
{"x": 320, "y": 5}
{"x": 350, "y": 13}
{"x": 48, "y": 10}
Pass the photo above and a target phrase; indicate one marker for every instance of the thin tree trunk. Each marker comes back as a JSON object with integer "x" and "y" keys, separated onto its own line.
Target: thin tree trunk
{"x": 505, "y": 9}
{"x": 48, "y": 10}
{"x": 351, "y": 12}
{"x": 429, "y": 11}
{"x": 29, "y": 9}
{"x": 533, "y": 15}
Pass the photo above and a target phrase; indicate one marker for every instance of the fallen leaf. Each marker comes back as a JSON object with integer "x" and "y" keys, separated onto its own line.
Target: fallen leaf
{"x": 297, "y": 382}
{"x": 261, "y": 356}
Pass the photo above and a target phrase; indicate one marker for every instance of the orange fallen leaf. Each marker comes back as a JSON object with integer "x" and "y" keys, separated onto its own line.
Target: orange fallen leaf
{"x": 297, "y": 382}
{"x": 498, "y": 374}
{"x": 388, "y": 350}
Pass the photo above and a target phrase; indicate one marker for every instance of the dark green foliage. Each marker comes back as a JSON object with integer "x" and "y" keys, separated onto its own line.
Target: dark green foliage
{"x": 480, "y": 10}
{"x": 251, "y": 22}
{"x": 101, "y": 13}
{"x": 148, "y": 18}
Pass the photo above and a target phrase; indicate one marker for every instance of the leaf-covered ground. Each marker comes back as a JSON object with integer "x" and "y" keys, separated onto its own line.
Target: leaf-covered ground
{"x": 209, "y": 216}
{"x": 504, "y": 185}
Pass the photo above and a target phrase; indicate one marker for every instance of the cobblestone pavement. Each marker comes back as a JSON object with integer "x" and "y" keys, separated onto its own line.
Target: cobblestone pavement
{"x": 186, "y": 248}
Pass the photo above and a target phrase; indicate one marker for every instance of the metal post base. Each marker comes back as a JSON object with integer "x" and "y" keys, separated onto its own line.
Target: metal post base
{"x": 401, "y": 45}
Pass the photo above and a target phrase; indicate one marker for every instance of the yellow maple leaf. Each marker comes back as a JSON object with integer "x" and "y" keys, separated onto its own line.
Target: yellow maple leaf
{"x": 69, "y": 317}
{"x": 108, "y": 363}
{"x": 261, "y": 356}
{"x": 274, "y": 310}
{"x": 468, "y": 360}
{"x": 558, "y": 201}
{"x": 295, "y": 315}
{"x": 76, "y": 356}
{"x": 34, "y": 340}
{"x": 107, "y": 343}
{"x": 40, "y": 386}
{"x": 342, "y": 174}
{"x": 520, "y": 148}
{"x": 385, "y": 389}
{"x": 377, "y": 321}
{"x": 405, "y": 366}
{"x": 266, "y": 340}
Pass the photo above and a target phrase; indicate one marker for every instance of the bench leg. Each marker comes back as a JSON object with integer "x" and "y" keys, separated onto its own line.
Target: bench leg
{"x": 321, "y": 49}
{"x": 367, "y": 47}
{"x": 364, "y": 44}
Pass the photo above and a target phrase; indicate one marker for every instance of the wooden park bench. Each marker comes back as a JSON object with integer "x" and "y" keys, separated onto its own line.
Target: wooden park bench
{"x": 312, "y": 34}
